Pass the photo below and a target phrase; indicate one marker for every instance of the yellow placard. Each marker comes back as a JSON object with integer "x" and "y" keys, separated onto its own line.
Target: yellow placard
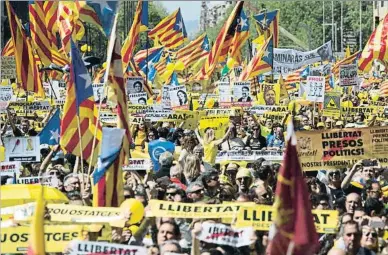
{"x": 260, "y": 217}
{"x": 338, "y": 148}
{"x": 185, "y": 210}
{"x": 16, "y": 239}
{"x": 218, "y": 123}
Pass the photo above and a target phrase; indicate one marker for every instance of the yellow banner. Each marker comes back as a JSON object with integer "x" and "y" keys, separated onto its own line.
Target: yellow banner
{"x": 218, "y": 123}
{"x": 16, "y": 239}
{"x": 337, "y": 148}
{"x": 185, "y": 210}
{"x": 260, "y": 217}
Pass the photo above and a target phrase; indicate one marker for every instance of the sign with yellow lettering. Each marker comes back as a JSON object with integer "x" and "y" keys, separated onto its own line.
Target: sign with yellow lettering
{"x": 260, "y": 217}
{"x": 16, "y": 239}
{"x": 337, "y": 148}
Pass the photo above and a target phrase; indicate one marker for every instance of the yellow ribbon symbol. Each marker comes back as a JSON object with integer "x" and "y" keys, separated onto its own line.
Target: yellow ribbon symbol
{"x": 30, "y": 146}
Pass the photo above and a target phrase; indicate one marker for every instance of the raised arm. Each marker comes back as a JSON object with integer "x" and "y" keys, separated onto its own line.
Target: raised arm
{"x": 198, "y": 136}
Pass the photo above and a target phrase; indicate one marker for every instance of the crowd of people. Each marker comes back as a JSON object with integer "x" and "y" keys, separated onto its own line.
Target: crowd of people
{"x": 189, "y": 173}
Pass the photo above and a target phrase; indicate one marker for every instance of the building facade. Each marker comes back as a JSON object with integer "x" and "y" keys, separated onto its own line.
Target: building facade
{"x": 380, "y": 9}
{"x": 212, "y": 13}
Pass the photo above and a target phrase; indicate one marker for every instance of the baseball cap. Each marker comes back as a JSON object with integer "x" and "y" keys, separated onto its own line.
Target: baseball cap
{"x": 243, "y": 172}
{"x": 320, "y": 124}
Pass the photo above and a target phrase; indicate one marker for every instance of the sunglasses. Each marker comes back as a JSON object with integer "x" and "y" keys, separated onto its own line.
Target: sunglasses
{"x": 171, "y": 194}
{"x": 374, "y": 235}
{"x": 127, "y": 196}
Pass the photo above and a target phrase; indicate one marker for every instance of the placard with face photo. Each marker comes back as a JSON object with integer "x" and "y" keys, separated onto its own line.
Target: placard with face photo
{"x": 135, "y": 85}
{"x": 242, "y": 92}
{"x": 178, "y": 97}
{"x": 166, "y": 102}
{"x": 138, "y": 98}
{"x": 99, "y": 94}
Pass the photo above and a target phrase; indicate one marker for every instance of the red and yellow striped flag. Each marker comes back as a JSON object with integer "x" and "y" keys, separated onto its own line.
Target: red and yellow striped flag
{"x": 9, "y": 49}
{"x": 39, "y": 34}
{"x": 346, "y": 61}
{"x": 195, "y": 50}
{"x": 36, "y": 240}
{"x": 26, "y": 69}
{"x": 376, "y": 47}
{"x": 384, "y": 88}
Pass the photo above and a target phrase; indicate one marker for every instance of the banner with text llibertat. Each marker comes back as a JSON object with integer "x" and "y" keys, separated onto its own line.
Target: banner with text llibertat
{"x": 339, "y": 148}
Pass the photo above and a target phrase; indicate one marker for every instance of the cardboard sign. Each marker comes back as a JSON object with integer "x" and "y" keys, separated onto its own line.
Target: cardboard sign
{"x": 8, "y": 67}
{"x": 348, "y": 75}
{"x": 166, "y": 101}
{"x": 137, "y": 164}
{"x": 138, "y": 98}
{"x": 315, "y": 88}
{"x": 17, "y": 239}
{"x": 224, "y": 235}
{"x": 23, "y": 149}
{"x": 332, "y": 104}
{"x": 34, "y": 180}
{"x": 84, "y": 248}
{"x": 225, "y": 92}
{"x": 242, "y": 93}
{"x": 135, "y": 85}
{"x": 6, "y": 93}
{"x": 10, "y": 168}
{"x": 178, "y": 97}
{"x": 99, "y": 93}
{"x": 341, "y": 148}
{"x": 108, "y": 117}
{"x": 261, "y": 217}
{"x": 270, "y": 155}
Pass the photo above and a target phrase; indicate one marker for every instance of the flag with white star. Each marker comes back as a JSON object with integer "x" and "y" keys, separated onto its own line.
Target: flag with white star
{"x": 171, "y": 31}
{"x": 240, "y": 36}
{"x": 267, "y": 24}
{"x": 50, "y": 133}
{"x": 106, "y": 11}
{"x": 194, "y": 51}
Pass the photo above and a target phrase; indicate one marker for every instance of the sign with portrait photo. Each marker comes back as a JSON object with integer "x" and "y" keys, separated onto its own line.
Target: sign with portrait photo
{"x": 99, "y": 94}
{"x": 348, "y": 75}
{"x": 178, "y": 97}
{"x": 271, "y": 94}
{"x": 135, "y": 85}
{"x": 166, "y": 102}
{"x": 138, "y": 98}
{"x": 242, "y": 93}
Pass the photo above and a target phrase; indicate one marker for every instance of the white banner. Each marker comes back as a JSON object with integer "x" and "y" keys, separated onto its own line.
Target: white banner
{"x": 315, "y": 88}
{"x": 10, "y": 168}
{"x": 261, "y": 109}
{"x": 108, "y": 117}
{"x": 137, "y": 164}
{"x": 348, "y": 75}
{"x": 138, "y": 98}
{"x": 23, "y": 149}
{"x": 84, "y": 247}
{"x": 288, "y": 60}
{"x": 224, "y": 235}
{"x": 272, "y": 155}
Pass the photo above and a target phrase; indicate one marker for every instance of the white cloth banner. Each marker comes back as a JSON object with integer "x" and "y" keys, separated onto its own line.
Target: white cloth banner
{"x": 84, "y": 247}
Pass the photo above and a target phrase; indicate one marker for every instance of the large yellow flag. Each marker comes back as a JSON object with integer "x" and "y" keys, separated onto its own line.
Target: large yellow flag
{"x": 36, "y": 240}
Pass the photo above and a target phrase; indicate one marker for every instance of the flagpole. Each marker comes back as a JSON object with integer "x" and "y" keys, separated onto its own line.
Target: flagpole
{"x": 49, "y": 81}
{"x": 112, "y": 41}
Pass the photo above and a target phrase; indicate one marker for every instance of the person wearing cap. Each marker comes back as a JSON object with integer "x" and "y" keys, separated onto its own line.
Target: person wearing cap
{"x": 175, "y": 193}
{"x": 211, "y": 184}
{"x": 243, "y": 179}
{"x": 195, "y": 191}
{"x": 165, "y": 161}
{"x": 231, "y": 172}
{"x": 339, "y": 124}
{"x": 321, "y": 125}
{"x": 328, "y": 123}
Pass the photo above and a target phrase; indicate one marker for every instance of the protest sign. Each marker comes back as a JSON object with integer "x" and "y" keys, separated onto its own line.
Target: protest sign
{"x": 30, "y": 109}
{"x": 223, "y": 112}
{"x": 45, "y": 180}
{"x": 348, "y": 75}
{"x": 55, "y": 90}
{"x": 339, "y": 148}
{"x": 271, "y": 155}
{"x": 225, "y": 92}
{"x": 8, "y": 67}
{"x": 261, "y": 109}
{"x": 166, "y": 101}
{"x": 224, "y": 235}
{"x": 17, "y": 239}
{"x": 157, "y": 115}
{"x": 261, "y": 217}
{"x": 332, "y": 104}
{"x": 178, "y": 97}
{"x": 138, "y": 109}
{"x": 288, "y": 60}
{"x": 108, "y": 117}
{"x": 218, "y": 123}
{"x": 242, "y": 93}
{"x": 186, "y": 210}
{"x": 99, "y": 93}
{"x": 6, "y": 93}
{"x": 135, "y": 85}
{"x": 85, "y": 247}
{"x": 321, "y": 70}
{"x": 315, "y": 88}
{"x": 135, "y": 120}
{"x": 270, "y": 94}
{"x": 23, "y": 149}
{"x": 137, "y": 164}
{"x": 138, "y": 98}
{"x": 10, "y": 168}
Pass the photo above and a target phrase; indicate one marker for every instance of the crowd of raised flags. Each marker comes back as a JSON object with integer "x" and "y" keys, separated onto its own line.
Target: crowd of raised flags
{"x": 212, "y": 132}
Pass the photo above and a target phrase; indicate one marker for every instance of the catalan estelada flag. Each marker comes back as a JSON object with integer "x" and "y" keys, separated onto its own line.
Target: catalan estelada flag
{"x": 195, "y": 50}
{"x": 261, "y": 63}
{"x": 267, "y": 25}
{"x": 293, "y": 78}
{"x": 140, "y": 23}
{"x": 27, "y": 72}
{"x": 294, "y": 231}
{"x": 240, "y": 36}
{"x": 352, "y": 59}
{"x": 107, "y": 177}
{"x": 80, "y": 105}
{"x": 105, "y": 12}
{"x": 376, "y": 47}
{"x": 38, "y": 30}
{"x": 9, "y": 49}
{"x": 221, "y": 45}
{"x": 37, "y": 240}
{"x": 171, "y": 31}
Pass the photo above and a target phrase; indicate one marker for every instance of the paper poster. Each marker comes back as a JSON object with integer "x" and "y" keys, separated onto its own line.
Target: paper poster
{"x": 98, "y": 92}
{"x": 135, "y": 85}
{"x": 242, "y": 93}
{"x": 57, "y": 89}
{"x": 8, "y": 67}
{"x": 166, "y": 102}
{"x": 341, "y": 148}
{"x": 137, "y": 164}
{"x": 288, "y": 60}
{"x": 10, "y": 168}
{"x": 225, "y": 92}
{"x": 108, "y": 117}
{"x": 224, "y": 235}
{"x": 270, "y": 94}
{"x": 178, "y": 97}
{"x": 332, "y": 104}
{"x": 86, "y": 247}
{"x": 33, "y": 180}
{"x": 23, "y": 149}
{"x": 261, "y": 109}
{"x": 315, "y": 88}
{"x": 138, "y": 98}
{"x": 271, "y": 155}
{"x": 348, "y": 75}
{"x": 6, "y": 93}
